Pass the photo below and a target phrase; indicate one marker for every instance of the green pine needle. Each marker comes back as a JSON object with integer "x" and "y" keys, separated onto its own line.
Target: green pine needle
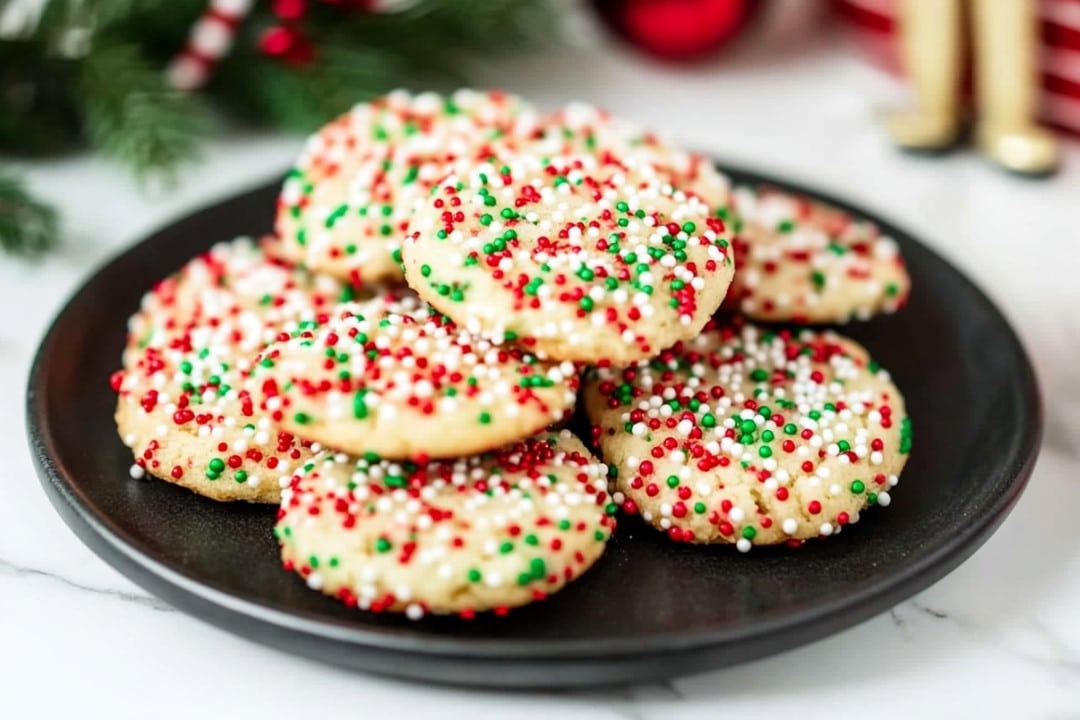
{"x": 132, "y": 116}
{"x": 110, "y": 12}
{"x": 27, "y": 226}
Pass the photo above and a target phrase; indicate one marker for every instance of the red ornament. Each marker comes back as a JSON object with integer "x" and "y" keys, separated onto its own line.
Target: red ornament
{"x": 276, "y": 41}
{"x": 287, "y": 43}
{"x": 677, "y": 29}
{"x": 289, "y": 9}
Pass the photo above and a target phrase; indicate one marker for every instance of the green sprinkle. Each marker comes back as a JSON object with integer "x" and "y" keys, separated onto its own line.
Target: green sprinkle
{"x": 335, "y": 215}
{"x": 905, "y": 435}
{"x": 360, "y": 408}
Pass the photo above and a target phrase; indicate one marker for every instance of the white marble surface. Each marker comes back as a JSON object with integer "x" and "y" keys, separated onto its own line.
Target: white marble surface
{"x": 1000, "y": 637}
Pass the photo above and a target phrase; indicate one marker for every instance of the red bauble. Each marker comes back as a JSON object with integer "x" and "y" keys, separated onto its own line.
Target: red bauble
{"x": 677, "y": 29}
{"x": 287, "y": 43}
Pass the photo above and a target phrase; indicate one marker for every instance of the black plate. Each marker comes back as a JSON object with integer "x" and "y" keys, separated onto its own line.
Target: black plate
{"x": 650, "y": 608}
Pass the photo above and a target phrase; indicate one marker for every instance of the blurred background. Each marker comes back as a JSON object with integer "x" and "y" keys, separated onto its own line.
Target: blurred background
{"x": 144, "y": 83}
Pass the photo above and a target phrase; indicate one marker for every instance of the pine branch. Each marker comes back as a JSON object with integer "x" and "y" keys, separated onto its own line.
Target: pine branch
{"x": 303, "y": 98}
{"x": 27, "y": 226}
{"x": 491, "y": 25}
{"x": 360, "y": 55}
{"x": 110, "y": 12}
{"x": 37, "y": 110}
{"x": 132, "y": 116}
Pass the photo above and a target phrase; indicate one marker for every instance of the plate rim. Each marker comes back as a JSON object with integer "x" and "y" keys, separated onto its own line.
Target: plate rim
{"x": 820, "y": 621}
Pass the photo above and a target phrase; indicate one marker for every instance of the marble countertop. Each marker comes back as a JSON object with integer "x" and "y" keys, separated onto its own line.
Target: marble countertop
{"x": 1000, "y": 637}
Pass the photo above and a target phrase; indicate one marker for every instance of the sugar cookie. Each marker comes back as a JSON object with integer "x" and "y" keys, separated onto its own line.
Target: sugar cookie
{"x": 749, "y": 436}
{"x": 487, "y": 532}
{"x": 182, "y": 406}
{"x": 803, "y": 261}
{"x": 396, "y": 378}
{"x": 574, "y": 258}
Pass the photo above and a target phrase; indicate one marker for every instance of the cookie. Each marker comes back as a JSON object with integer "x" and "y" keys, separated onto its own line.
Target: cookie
{"x": 182, "y": 406}
{"x": 579, "y": 128}
{"x": 487, "y": 532}
{"x": 577, "y": 259}
{"x": 750, "y": 436}
{"x": 804, "y": 261}
{"x": 346, "y": 205}
{"x": 395, "y": 378}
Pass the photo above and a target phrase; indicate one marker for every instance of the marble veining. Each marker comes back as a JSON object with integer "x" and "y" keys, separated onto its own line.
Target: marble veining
{"x": 34, "y": 574}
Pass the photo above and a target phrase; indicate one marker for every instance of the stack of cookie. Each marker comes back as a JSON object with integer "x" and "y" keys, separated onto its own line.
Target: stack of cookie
{"x": 449, "y": 275}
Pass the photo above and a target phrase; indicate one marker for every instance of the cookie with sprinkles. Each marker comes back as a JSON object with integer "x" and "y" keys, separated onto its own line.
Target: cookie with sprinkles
{"x": 804, "y": 261}
{"x": 575, "y": 258}
{"x": 346, "y": 205}
{"x": 182, "y": 405}
{"x": 395, "y": 378}
{"x": 486, "y": 532}
{"x": 748, "y": 436}
{"x": 580, "y": 128}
